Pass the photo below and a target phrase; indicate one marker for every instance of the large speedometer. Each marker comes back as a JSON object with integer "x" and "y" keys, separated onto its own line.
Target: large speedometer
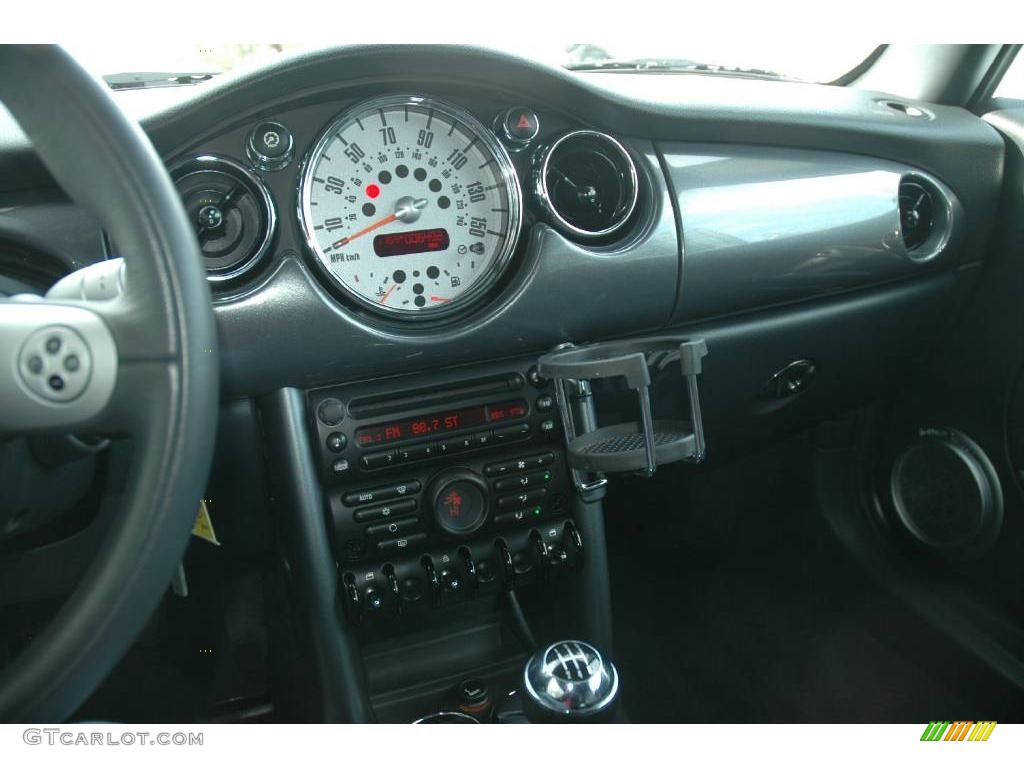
{"x": 411, "y": 206}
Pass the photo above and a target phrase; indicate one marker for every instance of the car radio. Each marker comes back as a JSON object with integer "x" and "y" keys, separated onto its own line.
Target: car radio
{"x": 460, "y": 483}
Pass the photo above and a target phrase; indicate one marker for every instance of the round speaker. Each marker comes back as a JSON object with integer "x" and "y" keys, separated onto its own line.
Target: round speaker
{"x": 946, "y": 494}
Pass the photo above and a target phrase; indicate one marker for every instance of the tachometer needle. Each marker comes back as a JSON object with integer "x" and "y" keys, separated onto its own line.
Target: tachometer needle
{"x": 438, "y": 298}
{"x": 387, "y": 293}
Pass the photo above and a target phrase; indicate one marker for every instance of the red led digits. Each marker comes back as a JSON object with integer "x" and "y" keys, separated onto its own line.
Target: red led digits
{"x": 449, "y": 421}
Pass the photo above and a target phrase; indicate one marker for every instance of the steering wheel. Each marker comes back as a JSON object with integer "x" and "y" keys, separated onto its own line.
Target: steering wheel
{"x": 141, "y": 338}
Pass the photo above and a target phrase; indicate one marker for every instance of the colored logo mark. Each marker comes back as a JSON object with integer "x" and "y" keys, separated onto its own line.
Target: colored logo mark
{"x": 960, "y": 730}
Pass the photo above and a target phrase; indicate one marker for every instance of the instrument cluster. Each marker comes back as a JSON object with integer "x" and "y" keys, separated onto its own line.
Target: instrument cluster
{"x": 409, "y": 206}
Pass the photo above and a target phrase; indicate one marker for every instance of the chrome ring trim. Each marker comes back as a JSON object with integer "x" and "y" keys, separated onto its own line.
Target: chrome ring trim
{"x": 508, "y": 174}
{"x": 944, "y": 220}
{"x": 219, "y": 163}
{"x": 261, "y": 161}
{"x": 541, "y": 184}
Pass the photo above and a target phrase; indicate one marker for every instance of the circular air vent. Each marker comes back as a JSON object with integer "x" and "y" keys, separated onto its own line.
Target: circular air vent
{"x": 231, "y": 212}
{"x": 587, "y": 182}
{"x": 924, "y": 217}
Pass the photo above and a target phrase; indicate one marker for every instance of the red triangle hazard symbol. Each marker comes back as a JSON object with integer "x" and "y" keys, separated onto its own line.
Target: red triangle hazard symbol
{"x": 524, "y": 122}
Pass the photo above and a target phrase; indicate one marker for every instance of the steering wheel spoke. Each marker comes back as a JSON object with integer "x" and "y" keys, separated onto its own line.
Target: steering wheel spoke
{"x": 112, "y": 349}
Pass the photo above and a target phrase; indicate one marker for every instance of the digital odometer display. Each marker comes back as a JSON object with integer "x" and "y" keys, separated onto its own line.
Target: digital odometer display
{"x": 411, "y": 206}
{"x": 443, "y": 422}
{"x": 404, "y": 243}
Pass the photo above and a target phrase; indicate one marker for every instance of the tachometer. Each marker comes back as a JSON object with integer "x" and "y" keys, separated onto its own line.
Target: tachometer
{"x": 411, "y": 206}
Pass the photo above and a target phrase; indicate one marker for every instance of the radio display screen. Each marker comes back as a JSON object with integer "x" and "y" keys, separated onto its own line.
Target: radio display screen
{"x": 440, "y": 423}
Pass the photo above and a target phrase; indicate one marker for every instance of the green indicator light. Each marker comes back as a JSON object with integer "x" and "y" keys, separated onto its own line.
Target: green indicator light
{"x": 547, "y": 475}
{"x": 536, "y": 510}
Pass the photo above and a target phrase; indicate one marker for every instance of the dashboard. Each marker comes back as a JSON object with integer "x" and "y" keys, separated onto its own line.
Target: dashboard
{"x": 376, "y": 210}
{"x": 395, "y": 236}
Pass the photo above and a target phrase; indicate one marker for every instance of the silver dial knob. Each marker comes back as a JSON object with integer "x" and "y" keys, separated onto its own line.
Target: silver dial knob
{"x": 570, "y": 680}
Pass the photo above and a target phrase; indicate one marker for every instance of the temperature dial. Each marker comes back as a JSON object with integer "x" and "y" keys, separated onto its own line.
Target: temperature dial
{"x": 459, "y": 501}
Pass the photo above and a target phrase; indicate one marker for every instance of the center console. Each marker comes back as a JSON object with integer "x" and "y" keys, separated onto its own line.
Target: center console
{"x": 444, "y": 489}
{"x": 440, "y": 530}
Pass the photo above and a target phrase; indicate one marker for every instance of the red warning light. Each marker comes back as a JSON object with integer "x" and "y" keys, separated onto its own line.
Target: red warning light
{"x": 372, "y": 191}
{"x": 524, "y": 122}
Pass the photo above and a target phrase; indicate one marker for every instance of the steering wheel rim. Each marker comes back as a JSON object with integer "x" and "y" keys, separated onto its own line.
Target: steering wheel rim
{"x": 164, "y": 387}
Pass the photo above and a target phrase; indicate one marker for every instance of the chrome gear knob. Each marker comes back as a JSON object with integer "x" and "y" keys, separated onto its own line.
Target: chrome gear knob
{"x": 570, "y": 681}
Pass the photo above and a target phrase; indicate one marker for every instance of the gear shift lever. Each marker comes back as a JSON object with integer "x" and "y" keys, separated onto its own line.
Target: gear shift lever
{"x": 569, "y": 682}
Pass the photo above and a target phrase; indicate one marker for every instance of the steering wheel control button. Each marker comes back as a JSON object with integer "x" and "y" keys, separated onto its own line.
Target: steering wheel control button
{"x": 270, "y": 146}
{"x": 55, "y": 364}
{"x": 336, "y": 442}
{"x": 520, "y": 125}
{"x": 331, "y": 412}
{"x": 460, "y": 503}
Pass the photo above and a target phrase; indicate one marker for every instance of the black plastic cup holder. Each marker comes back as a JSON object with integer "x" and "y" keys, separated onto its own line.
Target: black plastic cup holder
{"x": 633, "y": 446}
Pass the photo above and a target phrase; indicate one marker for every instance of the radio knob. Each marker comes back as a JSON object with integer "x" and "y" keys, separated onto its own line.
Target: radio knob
{"x": 459, "y": 502}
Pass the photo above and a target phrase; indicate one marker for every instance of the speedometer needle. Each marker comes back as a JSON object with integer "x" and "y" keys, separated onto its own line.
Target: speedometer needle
{"x": 387, "y": 293}
{"x": 365, "y": 230}
{"x": 406, "y": 209}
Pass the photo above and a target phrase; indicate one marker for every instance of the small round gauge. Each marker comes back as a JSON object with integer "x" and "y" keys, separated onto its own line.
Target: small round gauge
{"x": 411, "y": 206}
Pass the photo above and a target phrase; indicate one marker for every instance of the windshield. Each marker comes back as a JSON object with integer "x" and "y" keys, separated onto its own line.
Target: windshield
{"x": 814, "y": 62}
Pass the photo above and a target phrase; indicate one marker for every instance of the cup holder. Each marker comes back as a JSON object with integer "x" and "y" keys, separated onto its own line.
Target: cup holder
{"x": 632, "y": 446}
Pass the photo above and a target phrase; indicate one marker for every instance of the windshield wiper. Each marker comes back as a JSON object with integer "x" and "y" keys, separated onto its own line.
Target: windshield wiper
{"x": 124, "y": 80}
{"x": 672, "y": 65}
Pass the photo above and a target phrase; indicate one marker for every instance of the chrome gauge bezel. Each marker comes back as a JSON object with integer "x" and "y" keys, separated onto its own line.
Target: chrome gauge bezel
{"x": 544, "y": 197}
{"x": 507, "y": 173}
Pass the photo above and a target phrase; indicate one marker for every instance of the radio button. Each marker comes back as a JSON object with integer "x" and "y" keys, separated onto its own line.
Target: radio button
{"x": 524, "y": 499}
{"x": 523, "y": 481}
{"x": 515, "y": 432}
{"x": 393, "y": 527}
{"x": 336, "y": 442}
{"x": 545, "y": 403}
{"x": 378, "y": 460}
{"x": 331, "y": 412}
{"x": 454, "y": 445}
{"x": 482, "y": 439}
{"x": 370, "y": 495}
{"x": 384, "y": 511}
{"x": 393, "y": 546}
{"x": 415, "y": 452}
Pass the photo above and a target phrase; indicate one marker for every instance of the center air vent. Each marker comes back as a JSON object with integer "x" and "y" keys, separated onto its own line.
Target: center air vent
{"x": 231, "y": 213}
{"x": 924, "y": 217}
{"x": 917, "y": 214}
{"x": 587, "y": 182}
